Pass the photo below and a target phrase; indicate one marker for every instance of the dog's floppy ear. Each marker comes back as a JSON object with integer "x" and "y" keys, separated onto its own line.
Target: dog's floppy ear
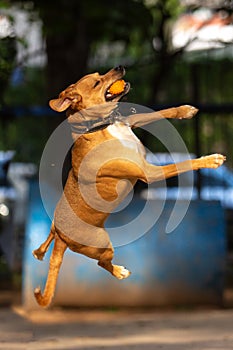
{"x": 68, "y": 97}
{"x": 60, "y": 104}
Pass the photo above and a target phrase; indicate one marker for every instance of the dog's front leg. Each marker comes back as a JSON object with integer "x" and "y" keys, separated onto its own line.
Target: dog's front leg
{"x": 181, "y": 112}
{"x": 156, "y": 173}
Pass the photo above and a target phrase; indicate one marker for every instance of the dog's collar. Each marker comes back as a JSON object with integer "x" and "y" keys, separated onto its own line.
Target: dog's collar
{"x": 89, "y": 126}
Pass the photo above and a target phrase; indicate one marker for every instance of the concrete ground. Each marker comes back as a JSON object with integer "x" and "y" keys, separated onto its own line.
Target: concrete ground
{"x": 121, "y": 329}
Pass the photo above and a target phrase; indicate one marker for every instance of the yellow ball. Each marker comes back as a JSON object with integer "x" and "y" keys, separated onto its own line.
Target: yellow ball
{"x": 117, "y": 87}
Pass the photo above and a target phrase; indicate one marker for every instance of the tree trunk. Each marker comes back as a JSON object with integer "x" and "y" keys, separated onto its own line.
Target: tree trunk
{"x": 68, "y": 44}
{"x": 65, "y": 68}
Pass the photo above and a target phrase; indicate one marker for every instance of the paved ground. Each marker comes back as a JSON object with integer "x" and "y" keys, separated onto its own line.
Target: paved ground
{"x": 74, "y": 329}
{"x": 115, "y": 330}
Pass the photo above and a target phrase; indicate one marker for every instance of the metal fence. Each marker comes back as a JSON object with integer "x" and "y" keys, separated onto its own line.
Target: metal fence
{"x": 211, "y": 131}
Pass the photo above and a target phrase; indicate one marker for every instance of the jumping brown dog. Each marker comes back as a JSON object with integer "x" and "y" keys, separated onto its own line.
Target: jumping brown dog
{"x": 107, "y": 160}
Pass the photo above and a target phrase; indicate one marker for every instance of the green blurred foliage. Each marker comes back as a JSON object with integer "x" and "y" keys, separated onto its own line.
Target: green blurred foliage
{"x": 30, "y": 91}
{"x": 7, "y": 63}
{"x": 28, "y": 135}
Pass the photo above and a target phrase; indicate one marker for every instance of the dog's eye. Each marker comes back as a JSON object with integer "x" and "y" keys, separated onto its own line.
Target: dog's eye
{"x": 97, "y": 83}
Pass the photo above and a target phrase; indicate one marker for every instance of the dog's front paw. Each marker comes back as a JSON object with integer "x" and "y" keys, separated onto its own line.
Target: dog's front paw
{"x": 120, "y": 272}
{"x": 212, "y": 161}
{"x": 186, "y": 112}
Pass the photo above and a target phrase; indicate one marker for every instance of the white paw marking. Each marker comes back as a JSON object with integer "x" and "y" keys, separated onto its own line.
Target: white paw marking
{"x": 124, "y": 273}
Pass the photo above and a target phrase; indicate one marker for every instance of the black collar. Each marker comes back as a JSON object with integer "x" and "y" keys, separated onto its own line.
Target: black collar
{"x": 89, "y": 126}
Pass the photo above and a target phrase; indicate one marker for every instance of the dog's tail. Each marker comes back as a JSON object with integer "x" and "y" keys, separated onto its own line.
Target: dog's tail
{"x": 45, "y": 299}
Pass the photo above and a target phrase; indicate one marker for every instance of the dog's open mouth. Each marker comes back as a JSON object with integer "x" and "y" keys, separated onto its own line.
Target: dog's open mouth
{"x": 117, "y": 89}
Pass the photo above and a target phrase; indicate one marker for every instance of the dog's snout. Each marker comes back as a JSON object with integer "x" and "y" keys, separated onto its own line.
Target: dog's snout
{"x": 119, "y": 69}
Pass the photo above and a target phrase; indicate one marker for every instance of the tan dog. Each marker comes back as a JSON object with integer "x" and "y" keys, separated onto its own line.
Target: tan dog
{"x": 107, "y": 160}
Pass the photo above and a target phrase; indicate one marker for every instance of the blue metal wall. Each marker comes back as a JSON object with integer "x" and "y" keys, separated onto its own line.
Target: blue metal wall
{"x": 186, "y": 266}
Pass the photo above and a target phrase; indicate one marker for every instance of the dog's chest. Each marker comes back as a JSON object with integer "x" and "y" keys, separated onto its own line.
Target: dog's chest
{"x": 126, "y": 137}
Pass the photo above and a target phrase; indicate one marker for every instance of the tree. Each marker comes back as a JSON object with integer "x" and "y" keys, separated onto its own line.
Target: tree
{"x": 72, "y": 29}
{"x": 75, "y": 30}
{"x": 216, "y": 4}
{"x": 7, "y": 53}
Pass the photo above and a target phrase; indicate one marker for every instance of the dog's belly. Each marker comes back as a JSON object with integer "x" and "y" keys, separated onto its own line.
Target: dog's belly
{"x": 126, "y": 136}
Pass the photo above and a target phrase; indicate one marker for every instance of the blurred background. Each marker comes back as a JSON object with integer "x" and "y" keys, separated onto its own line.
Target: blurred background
{"x": 175, "y": 52}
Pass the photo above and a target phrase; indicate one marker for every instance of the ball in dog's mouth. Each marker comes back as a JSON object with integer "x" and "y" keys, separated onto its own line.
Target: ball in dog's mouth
{"x": 116, "y": 89}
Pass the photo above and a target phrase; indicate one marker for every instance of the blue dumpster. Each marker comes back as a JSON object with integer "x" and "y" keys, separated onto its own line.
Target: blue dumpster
{"x": 186, "y": 266}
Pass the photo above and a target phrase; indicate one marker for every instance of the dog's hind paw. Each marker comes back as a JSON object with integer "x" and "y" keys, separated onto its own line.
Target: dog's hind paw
{"x": 38, "y": 254}
{"x": 120, "y": 272}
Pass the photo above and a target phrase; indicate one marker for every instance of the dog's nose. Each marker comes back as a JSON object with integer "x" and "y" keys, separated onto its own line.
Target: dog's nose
{"x": 119, "y": 69}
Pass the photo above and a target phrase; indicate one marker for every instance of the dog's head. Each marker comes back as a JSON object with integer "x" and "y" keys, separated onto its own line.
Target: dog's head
{"x": 93, "y": 89}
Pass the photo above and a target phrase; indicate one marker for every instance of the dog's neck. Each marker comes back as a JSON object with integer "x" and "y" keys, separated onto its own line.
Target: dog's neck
{"x": 89, "y": 126}
{"x": 91, "y": 120}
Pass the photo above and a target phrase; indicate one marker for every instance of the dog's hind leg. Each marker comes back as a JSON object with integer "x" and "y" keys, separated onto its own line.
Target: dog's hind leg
{"x": 54, "y": 267}
{"x": 40, "y": 252}
{"x": 105, "y": 261}
{"x": 100, "y": 250}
